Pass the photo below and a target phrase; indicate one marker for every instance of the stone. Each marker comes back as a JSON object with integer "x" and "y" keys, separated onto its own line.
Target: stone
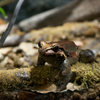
{"x": 6, "y": 50}
{"x": 28, "y": 48}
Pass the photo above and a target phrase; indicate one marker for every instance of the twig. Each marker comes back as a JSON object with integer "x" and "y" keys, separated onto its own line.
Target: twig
{"x": 14, "y": 16}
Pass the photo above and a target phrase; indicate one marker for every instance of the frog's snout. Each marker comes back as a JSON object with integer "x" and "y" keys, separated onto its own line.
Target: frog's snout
{"x": 41, "y": 43}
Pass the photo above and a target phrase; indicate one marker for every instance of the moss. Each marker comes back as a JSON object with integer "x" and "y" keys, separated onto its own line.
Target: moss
{"x": 10, "y": 81}
{"x": 44, "y": 74}
{"x": 66, "y": 31}
{"x": 86, "y": 74}
{"x": 40, "y": 75}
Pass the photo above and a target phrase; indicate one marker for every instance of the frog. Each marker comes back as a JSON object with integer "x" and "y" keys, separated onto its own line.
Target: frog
{"x": 55, "y": 52}
{"x": 87, "y": 56}
{"x": 60, "y": 54}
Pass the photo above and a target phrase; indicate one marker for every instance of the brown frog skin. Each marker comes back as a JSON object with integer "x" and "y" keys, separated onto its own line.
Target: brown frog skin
{"x": 60, "y": 54}
{"x": 53, "y": 52}
{"x": 87, "y": 56}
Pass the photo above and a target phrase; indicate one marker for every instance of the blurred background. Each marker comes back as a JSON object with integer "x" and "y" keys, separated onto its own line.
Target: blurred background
{"x": 52, "y": 20}
{"x": 54, "y": 12}
{"x": 32, "y": 7}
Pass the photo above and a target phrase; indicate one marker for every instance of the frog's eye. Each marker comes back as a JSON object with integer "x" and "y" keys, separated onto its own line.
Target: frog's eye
{"x": 56, "y": 47}
{"x": 39, "y": 44}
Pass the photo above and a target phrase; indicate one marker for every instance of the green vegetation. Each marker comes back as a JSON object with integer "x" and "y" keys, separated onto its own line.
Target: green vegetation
{"x": 85, "y": 74}
{"x": 2, "y": 12}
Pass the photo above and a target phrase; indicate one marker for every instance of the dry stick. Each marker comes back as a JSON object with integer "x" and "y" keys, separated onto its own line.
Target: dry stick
{"x": 5, "y": 34}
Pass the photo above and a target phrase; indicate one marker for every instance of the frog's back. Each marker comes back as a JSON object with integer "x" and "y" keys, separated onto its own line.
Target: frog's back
{"x": 68, "y": 46}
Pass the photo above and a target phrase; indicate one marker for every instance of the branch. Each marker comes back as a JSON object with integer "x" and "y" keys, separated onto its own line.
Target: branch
{"x": 13, "y": 19}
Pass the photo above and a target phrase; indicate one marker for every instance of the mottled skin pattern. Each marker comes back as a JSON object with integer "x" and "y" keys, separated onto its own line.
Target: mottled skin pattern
{"x": 87, "y": 56}
{"x": 61, "y": 55}
{"x": 53, "y": 52}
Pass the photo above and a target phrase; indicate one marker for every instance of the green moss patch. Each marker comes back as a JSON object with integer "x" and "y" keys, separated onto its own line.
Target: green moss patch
{"x": 41, "y": 75}
{"x": 85, "y": 74}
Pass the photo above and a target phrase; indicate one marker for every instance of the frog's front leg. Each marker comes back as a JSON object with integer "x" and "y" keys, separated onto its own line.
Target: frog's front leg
{"x": 65, "y": 75}
{"x": 40, "y": 61}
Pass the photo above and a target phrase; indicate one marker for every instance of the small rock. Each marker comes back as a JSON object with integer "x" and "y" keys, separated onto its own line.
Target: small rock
{"x": 1, "y": 57}
{"x": 12, "y": 40}
{"x": 73, "y": 87}
{"x": 28, "y": 48}
{"x": 91, "y": 90}
{"x": 83, "y": 97}
{"x": 12, "y": 56}
{"x": 6, "y": 50}
{"x": 3, "y": 28}
{"x": 76, "y": 96}
{"x": 71, "y": 97}
{"x": 9, "y": 64}
{"x": 97, "y": 98}
{"x": 17, "y": 50}
{"x": 18, "y": 63}
{"x": 22, "y": 60}
{"x": 92, "y": 95}
{"x": 3, "y": 63}
{"x": 90, "y": 32}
